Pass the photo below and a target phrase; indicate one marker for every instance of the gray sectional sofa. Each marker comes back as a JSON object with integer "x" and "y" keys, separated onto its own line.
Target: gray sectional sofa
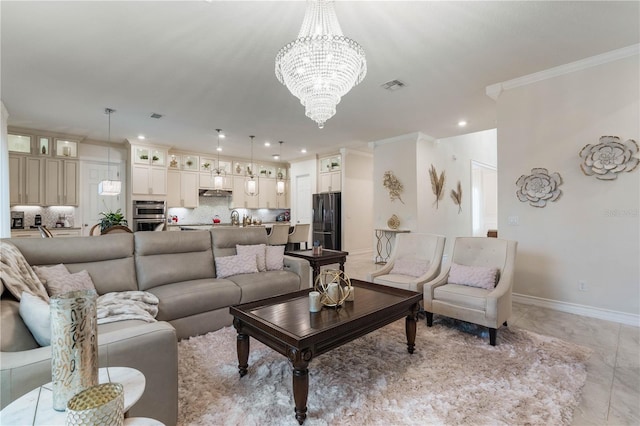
{"x": 177, "y": 267}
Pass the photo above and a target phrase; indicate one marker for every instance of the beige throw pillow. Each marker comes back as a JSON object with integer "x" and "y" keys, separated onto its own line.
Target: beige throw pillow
{"x": 58, "y": 280}
{"x": 227, "y": 266}
{"x": 474, "y": 276}
{"x": 257, "y": 250}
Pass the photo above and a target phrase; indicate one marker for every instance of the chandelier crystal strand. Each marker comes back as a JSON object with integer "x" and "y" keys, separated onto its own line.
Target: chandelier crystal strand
{"x": 321, "y": 65}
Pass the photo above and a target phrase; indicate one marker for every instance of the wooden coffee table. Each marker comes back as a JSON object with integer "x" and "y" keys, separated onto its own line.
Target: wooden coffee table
{"x": 285, "y": 324}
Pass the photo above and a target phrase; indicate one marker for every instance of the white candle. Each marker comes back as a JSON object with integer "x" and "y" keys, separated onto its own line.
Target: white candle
{"x": 350, "y": 294}
{"x": 334, "y": 293}
{"x": 314, "y": 302}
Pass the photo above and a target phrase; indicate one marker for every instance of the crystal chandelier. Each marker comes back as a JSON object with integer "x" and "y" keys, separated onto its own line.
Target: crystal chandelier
{"x": 251, "y": 186}
{"x": 218, "y": 173}
{"x": 108, "y": 186}
{"x": 279, "y": 179}
{"x": 321, "y": 65}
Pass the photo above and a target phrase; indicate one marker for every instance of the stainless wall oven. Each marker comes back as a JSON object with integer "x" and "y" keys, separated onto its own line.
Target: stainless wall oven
{"x": 148, "y": 215}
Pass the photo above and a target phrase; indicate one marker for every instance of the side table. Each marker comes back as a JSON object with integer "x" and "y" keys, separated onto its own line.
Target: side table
{"x": 386, "y": 234}
{"x": 327, "y": 257}
{"x": 36, "y": 407}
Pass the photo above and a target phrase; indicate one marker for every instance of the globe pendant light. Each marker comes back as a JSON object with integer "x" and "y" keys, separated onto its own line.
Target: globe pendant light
{"x": 279, "y": 181}
{"x": 217, "y": 173}
{"x": 251, "y": 187}
{"x": 108, "y": 186}
{"x": 321, "y": 65}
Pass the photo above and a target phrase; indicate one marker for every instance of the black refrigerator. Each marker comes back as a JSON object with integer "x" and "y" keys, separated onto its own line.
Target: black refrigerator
{"x": 327, "y": 220}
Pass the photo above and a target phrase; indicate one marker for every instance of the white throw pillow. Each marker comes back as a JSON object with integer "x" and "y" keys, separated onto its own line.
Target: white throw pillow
{"x": 474, "y": 276}
{"x": 257, "y": 250}
{"x": 57, "y": 279}
{"x": 412, "y": 267}
{"x": 36, "y": 315}
{"x": 227, "y": 266}
{"x": 275, "y": 258}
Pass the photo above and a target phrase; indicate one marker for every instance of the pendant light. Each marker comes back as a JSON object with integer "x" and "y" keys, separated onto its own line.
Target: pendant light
{"x": 108, "y": 186}
{"x": 279, "y": 180}
{"x": 217, "y": 173}
{"x": 251, "y": 187}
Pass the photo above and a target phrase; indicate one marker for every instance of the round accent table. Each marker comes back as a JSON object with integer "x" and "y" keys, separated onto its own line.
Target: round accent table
{"x": 36, "y": 407}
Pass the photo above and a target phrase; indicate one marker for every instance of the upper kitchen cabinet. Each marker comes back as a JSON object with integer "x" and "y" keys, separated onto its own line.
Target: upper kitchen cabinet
{"x": 61, "y": 182}
{"x": 148, "y": 170}
{"x": 26, "y": 177}
{"x": 330, "y": 174}
{"x": 182, "y": 189}
{"x": 21, "y": 144}
{"x": 66, "y": 148}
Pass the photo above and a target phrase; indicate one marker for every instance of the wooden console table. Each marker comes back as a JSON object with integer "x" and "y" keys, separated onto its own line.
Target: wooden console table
{"x": 327, "y": 257}
{"x": 383, "y": 235}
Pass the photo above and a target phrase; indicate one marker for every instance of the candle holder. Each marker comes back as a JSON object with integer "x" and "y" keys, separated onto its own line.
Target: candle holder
{"x": 334, "y": 287}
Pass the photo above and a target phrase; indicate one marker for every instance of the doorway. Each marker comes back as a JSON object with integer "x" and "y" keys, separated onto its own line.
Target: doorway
{"x": 303, "y": 199}
{"x": 484, "y": 198}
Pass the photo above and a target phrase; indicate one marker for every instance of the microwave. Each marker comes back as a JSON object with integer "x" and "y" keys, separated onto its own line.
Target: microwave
{"x": 143, "y": 209}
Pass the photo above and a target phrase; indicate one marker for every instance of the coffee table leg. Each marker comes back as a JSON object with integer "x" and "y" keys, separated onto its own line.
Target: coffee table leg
{"x": 242, "y": 343}
{"x": 410, "y": 328}
{"x": 300, "y": 361}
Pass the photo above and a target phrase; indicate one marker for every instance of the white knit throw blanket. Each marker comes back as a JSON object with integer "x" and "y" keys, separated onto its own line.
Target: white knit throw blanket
{"x": 127, "y": 305}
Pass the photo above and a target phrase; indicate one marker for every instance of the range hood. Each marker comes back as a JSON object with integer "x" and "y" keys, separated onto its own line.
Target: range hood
{"x": 214, "y": 193}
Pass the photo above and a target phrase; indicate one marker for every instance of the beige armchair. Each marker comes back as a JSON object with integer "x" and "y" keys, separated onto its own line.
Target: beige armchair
{"x": 415, "y": 259}
{"x": 487, "y": 307}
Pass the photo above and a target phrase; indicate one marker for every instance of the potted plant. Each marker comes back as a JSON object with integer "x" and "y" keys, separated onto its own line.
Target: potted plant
{"x": 110, "y": 219}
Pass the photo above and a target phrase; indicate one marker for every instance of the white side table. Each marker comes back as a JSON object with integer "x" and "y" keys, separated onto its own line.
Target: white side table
{"x": 36, "y": 407}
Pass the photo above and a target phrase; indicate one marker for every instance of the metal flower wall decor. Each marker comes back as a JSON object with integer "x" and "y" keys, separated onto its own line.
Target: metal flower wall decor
{"x": 609, "y": 157}
{"x": 539, "y": 187}
{"x": 393, "y": 185}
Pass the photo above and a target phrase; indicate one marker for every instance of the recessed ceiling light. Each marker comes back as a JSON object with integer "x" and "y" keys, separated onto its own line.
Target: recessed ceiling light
{"x": 462, "y": 123}
{"x": 303, "y": 150}
{"x": 141, "y": 137}
{"x": 267, "y": 143}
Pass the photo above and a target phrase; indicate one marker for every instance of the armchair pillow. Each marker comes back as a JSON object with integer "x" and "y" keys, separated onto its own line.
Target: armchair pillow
{"x": 475, "y": 276}
{"x": 412, "y": 267}
{"x": 227, "y": 266}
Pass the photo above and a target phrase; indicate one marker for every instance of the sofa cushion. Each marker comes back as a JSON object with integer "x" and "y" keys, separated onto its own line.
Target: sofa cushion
{"x": 257, "y": 250}
{"x": 233, "y": 265}
{"x": 265, "y": 284}
{"x": 275, "y": 258}
{"x": 36, "y": 315}
{"x": 14, "y": 334}
{"x": 171, "y": 257}
{"x": 462, "y": 295}
{"x": 474, "y": 276}
{"x": 108, "y": 259}
{"x": 57, "y": 279}
{"x": 186, "y": 298}
{"x": 406, "y": 282}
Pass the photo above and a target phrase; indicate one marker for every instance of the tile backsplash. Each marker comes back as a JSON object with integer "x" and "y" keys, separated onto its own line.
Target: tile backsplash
{"x": 209, "y": 207}
{"x": 50, "y": 215}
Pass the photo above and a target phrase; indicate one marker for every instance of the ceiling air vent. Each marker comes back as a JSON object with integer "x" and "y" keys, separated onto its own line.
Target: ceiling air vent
{"x": 156, "y": 115}
{"x": 393, "y": 85}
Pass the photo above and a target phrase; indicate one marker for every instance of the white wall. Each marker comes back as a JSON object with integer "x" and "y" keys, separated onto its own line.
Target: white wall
{"x": 5, "y": 214}
{"x": 592, "y": 232}
{"x": 357, "y": 201}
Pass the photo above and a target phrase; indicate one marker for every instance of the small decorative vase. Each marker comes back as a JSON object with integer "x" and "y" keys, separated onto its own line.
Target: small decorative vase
{"x": 74, "y": 345}
{"x": 98, "y": 405}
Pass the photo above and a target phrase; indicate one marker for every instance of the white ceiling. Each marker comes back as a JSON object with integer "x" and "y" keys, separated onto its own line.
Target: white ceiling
{"x": 206, "y": 65}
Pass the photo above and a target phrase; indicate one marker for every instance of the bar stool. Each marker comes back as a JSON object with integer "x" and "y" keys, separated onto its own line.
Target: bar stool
{"x": 299, "y": 235}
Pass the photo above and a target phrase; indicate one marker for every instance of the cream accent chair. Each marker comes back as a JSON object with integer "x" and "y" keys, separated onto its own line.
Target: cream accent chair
{"x": 411, "y": 246}
{"x": 489, "y": 308}
{"x": 279, "y": 234}
{"x": 299, "y": 235}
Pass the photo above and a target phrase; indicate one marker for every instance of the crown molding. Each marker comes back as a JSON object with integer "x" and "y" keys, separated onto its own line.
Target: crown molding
{"x": 494, "y": 90}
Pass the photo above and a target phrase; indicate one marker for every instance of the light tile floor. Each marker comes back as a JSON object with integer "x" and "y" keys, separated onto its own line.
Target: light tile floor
{"x": 611, "y": 395}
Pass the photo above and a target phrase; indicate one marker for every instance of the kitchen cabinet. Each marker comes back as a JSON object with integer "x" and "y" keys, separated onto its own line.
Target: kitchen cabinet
{"x": 267, "y": 198}
{"x": 182, "y": 189}
{"x": 19, "y": 143}
{"x": 56, "y": 232}
{"x": 66, "y": 148}
{"x": 330, "y": 174}
{"x": 240, "y": 200}
{"x": 150, "y": 155}
{"x": 26, "y": 178}
{"x": 148, "y": 180}
{"x": 206, "y": 181}
{"x": 61, "y": 182}
{"x": 282, "y": 200}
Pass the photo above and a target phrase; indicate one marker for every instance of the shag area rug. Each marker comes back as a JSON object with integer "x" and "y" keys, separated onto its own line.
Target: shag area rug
{"x": 454, "y": 377}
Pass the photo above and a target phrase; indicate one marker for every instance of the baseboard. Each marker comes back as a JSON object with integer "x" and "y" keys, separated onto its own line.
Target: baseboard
{"x": 574, "y": 308}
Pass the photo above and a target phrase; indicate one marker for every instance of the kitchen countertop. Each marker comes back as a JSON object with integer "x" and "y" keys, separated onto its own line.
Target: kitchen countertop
{"x": 50, "y": 228}
{"x": 210, "y": 225}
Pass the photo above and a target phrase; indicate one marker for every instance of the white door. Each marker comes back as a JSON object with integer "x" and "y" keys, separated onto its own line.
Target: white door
{"x": 303, "y": 199}
{"x": 484, "y": 198}
{"x": 92, "y": 203}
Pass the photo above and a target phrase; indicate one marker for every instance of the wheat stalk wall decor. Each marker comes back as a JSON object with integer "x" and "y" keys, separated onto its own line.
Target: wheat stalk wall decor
{"x": 437, "y": 184}
{"x": 456, "y": 196}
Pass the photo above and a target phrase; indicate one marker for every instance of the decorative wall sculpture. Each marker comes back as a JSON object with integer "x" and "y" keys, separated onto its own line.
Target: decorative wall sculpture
{"x": 437, "y": 184}
{"x": 609, "y": 157}
{"x": 393, "y": 185}
{"x": 456, "y": 196}
{"x": 539, "y": 187}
